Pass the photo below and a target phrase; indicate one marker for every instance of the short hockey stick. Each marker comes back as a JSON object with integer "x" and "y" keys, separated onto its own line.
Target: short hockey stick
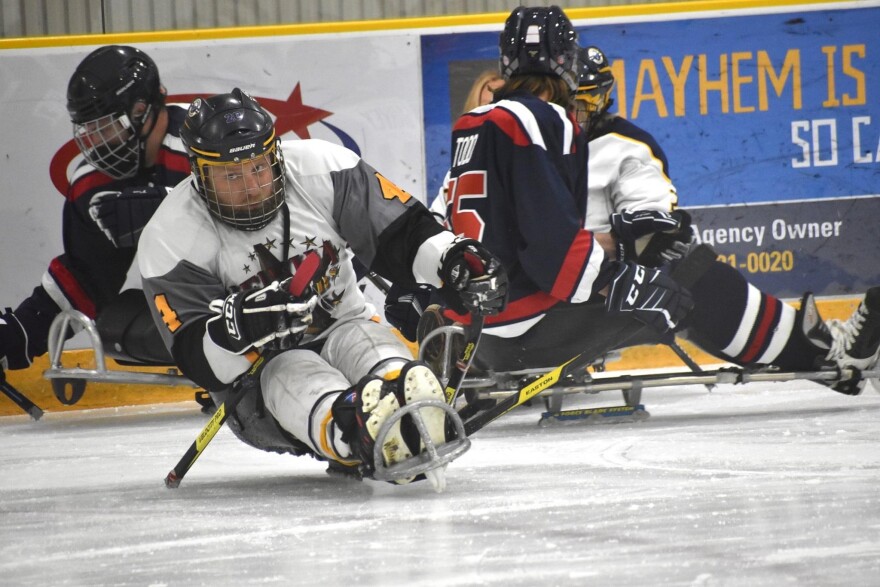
{"x": 570, "y": 367}
{"x": 307, "y": 272}
{"x": 244, "y": 385}
{"x": 463, "y": 364}
{"x": 378, "y": 281}
{"x": 19, "y": 398}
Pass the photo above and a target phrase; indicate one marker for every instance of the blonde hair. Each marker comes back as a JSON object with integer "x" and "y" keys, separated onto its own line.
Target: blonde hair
{"x": 473, "y": 97}
{"x": 553, "y": 86}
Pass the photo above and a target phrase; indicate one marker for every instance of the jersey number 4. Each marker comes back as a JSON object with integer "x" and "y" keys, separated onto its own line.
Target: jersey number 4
{"x": 169, "y": 316}
{"x": 466, "y": 193}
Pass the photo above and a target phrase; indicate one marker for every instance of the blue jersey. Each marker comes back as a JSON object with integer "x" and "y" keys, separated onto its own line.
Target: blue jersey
{"x": 518, "y": 183}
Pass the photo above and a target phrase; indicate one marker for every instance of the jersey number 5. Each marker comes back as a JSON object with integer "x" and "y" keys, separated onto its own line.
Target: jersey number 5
{"x": 466, "y": 191}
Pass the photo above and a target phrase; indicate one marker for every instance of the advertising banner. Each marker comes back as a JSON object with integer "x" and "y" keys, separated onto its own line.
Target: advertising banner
{"x": 770, "y": 121}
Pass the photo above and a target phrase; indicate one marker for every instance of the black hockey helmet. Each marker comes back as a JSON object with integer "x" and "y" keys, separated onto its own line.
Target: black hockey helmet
{"x": 235, "y": 159}
{"x": 113, "y": 93}
{"x": 539, "y": 40}
{"x": 595, "y": 80}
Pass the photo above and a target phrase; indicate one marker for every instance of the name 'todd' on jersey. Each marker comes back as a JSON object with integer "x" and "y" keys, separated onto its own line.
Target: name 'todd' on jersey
{"x": 464, "y": 150}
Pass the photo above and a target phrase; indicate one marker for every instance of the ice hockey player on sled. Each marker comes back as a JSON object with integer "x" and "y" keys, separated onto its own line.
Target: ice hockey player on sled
{"x": 519, "y": 185}
{"x": 129, "y": 139}
{"x": 218, "y": 255}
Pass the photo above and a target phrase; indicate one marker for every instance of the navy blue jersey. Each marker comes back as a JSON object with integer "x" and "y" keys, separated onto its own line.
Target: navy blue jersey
{"x": 92, "y": 269}
{"x": 518, "y": 183}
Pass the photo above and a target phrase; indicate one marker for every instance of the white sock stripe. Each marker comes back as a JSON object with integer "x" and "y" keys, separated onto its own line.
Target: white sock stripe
{"x": 24, "y": 332}
{"x": 747, "y": 322}
{"x": 781, "y": 334}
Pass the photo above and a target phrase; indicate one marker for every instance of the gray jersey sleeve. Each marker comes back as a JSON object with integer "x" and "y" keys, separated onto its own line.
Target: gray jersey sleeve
{"x": 382, "y": 223}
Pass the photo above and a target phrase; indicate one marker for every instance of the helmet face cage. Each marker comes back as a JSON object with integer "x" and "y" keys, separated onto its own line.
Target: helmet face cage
{"x": 110, "y": 143}
{"x": 236, "y": 160}
{"x": 539, "y": 41}
{"x": 111, "y": 97}
{"x": 245, "y": 194}
{"x": 595, "y": 80}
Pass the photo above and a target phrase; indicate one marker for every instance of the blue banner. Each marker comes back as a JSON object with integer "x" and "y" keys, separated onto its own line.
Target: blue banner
{"x": 759, "y": 108}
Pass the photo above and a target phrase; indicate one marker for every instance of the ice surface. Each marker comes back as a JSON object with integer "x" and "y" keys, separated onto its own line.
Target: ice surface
{"x": 750, "y": 485}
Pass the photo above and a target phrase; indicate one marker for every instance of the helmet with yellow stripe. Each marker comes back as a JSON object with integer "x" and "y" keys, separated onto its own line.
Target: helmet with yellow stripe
{"x": 595, "y": 80}
{"x": 235, "y": 158}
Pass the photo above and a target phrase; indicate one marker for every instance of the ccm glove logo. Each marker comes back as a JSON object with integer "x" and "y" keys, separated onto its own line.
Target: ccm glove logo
{"x": 229, "y": 314}
{"x": 653, "y": 298}
{"x": 638, "y": 279}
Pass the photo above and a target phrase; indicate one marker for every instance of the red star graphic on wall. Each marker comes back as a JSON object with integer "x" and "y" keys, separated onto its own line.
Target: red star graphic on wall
{"x": 292, "y": 114}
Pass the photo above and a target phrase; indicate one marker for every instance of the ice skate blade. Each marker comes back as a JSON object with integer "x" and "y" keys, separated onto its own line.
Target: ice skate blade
{"x": 609, "y": 415}
{"x": 437, "y": 478}
{"x": 432, "y": 458}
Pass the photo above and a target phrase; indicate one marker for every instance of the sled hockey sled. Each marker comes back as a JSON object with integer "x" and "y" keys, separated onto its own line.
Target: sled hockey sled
{"x": 124, "y": 332}
{"x": 485, "y": 388}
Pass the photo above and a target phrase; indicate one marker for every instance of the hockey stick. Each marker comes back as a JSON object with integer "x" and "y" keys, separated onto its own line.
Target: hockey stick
{"x": 685, "y": 274}
{"x": 306, "y": 274}
{"x": 378, "y": 281}
{"x": 577, "y": 363}
{"x": 250, "y": 381}
{"x": 688, "y": 361}
{"x": 463, "y": 364}
{"x": 19, "y": 398}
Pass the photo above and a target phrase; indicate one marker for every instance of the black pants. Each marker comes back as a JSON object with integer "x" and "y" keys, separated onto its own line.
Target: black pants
{"x": 566, "y": 330}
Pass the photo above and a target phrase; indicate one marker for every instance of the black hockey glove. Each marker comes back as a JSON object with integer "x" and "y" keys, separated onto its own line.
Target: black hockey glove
{"x": 270, "y": 318}
{"x": 473, "y": 278}
{"x": 404, "y": 308}
{"x": 122, "y": 215}
{"x": 653, "y": 298}
{"x": 651, "y": 238}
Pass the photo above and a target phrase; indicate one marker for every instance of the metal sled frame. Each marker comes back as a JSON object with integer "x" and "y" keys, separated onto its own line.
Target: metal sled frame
{"x": 500, "y": 385}
{"x": 503, "y": 383}
{"x": 433, "y": 456}
{"x": 75, "y": 378}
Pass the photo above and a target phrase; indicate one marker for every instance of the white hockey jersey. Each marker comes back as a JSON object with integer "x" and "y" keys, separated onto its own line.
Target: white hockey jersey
{"x": 335, "y": 203}
{"x": 627, "y": 171}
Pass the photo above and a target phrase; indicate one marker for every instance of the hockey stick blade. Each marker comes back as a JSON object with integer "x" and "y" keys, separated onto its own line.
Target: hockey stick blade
{"x": 20, "y": 399}
{"x": 612, "y": 414}
{"x": 306, "y": 274}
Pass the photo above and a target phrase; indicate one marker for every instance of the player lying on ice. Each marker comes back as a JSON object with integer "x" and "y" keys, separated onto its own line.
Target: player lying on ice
{"x": 519, "y": 184}
{"x": 217, "y": 259}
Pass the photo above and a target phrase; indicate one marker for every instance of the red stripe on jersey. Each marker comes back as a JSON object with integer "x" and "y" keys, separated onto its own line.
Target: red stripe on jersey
{"x": 85, "y": 184}
{"x": 72, "y": 289}
{"x": 764, "y": 328}
{"x": 521, "y": 309}
{"x": 573, "y": 265}
{"x": 503, "y": 119}
{"x": 173, "y": 160}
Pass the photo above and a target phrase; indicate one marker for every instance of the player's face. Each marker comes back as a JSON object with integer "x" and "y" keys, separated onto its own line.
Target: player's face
{"x": 586, "y": 104}
{"x": 242, "y": 187}
{"x": 108, "y": 131}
